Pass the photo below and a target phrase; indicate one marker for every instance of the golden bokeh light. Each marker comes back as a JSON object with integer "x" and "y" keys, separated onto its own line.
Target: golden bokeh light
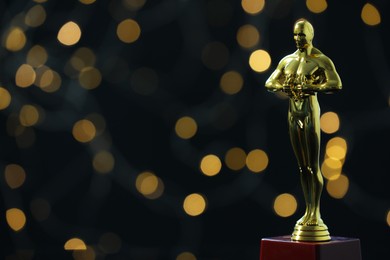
{"x": 87, "y": 2}
{"x": 186, "y": 256}
{"x": 40, "y": 209}
{"x": 285, "y": 205}
{"x": 5, "y": 98}
{"x": 253, "y": 6}
{"x": 210, "y": 165}
{"x": 134, "y": 5}
{"x": 90, "y": 78}
{"x": 260, "y": 60}
{"x": 231, "y": 82}
{"x": 186, "y": 127}
{"x": 110, "y": 243}
{"x": 149, "y": 185}
{"x": 36, "y": 16}
{"x": 103, "y": 162}
{"x": 14, "y": 175}
{"x": 75, "y": 244}
{"x": 15, "y": 40}
{"x": 83, "y": 57}
{"x": 69, "y": 34}
{"x": 50, "y": 81}
{"x": 388, "y": 218}
{"x": 316, "y": 6}
{"x": 257, "y": 160}
{"x": 330, "y": 122}
{"x": 16, "y": 219}
{"x": 88, "y": 254}
{"x": 336, "y": 148}
{"x": 84, "y": 131}
{"x": 370, "y": 15}
{"x": 331, "y": 168}
{"x": 128, "y": 31}
{"x": 37, "y": 56}
{"x": 194, "y": 204}
{"x": 235, "y": 158}
{"x": 339, "y": 187}
{"x": 29, "y": 115}
{"x": 248, "y": 36}
{"x": 215, "y": 55}
{"x": 25, "y": 76}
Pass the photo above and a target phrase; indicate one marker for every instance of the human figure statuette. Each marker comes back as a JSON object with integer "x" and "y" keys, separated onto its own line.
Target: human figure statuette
{"x": 301, "y": 75}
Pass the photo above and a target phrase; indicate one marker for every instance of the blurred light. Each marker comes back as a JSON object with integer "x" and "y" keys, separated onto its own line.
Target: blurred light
{"x": 194, "y": 204}
{"x": 88, "y": 254}
{"x": 388, "y": 218}
{"x": 49, "y": 80}
{"x": 331, "y": 168}
{"x": 87, "y": 2}
{"x": 128, "y": 31}
{"x": 253, "y": 6}
{"x": 210, "y": 165}
{"x": 90, "y": 78}
{"x": 339, "y": 187}
{"x": 260, "y": 60}
{"x": 98, "y": 121}
{"x": 248, "y": 36}
{"x": 186, "y": 256}
{"x": 215, "y": 55}
{"x": 133, "y": 5}
{"x": 336, "y": 148}
{"x": 370, "y": 15}
{"x": 285, "y": 205}
{"x": 40, "y": 209}
{"x": 14, "y": 175}
{"x": 257, "y": 160}
{"x": 5, "y": 98}
{"x": 37, "y": 56}
{"x": 316, "y": 6}
{"x": 235, "y": 158}
{"x": 231, "y": 82}
{"x": 75, "y": 244}
{"x": 103, "y": 162}
{"x": 84, "y": 131}
{"x": 186, "y": 127}
{"x": 16, "y": 219}
{"x": 144, "y": 81}
{"x": 29, "y": 115}
{"x": 329, "y": 122}
{"x": 149, "y": 185}
{"x": 69, "y": 34}
{"x": 15, "y": 40}
{"x": 110, "y": 243}
{"x": 83, "y": 57}
{"x": 25, "y": 76}
{"x": 36, "y": 16}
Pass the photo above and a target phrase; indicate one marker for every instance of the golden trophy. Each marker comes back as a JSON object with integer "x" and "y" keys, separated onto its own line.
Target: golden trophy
{"x": 301, "y": 76}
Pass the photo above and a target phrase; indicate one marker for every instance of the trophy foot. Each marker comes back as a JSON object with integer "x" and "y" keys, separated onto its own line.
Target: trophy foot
{"x": 311, "y": 233}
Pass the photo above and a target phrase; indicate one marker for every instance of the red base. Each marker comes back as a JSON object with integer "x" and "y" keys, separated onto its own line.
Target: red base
{"x": 282, "y": 248}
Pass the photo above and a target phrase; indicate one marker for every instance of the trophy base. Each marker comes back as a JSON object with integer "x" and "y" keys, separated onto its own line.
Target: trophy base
{"x": 282, "y": 248}
{"x": 318, "y": 233}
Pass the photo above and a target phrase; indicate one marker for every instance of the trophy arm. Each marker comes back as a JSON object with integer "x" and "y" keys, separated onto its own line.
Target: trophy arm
{"x": 273, "y": 82}
{"x": 333, "y": 81}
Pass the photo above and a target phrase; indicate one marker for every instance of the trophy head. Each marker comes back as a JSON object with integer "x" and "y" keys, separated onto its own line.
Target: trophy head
{"x": 303, "y": 34}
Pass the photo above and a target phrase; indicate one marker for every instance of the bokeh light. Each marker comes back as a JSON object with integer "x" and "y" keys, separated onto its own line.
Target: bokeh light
{"x": 69, "y": 34}
{"x": 194, "y": 204}
{"x": 37, "y": 56}
{"x": 75, "y": 244}
{"x": 134, "y": 5}
{"x": 16, "y": 218}
{"x": 370, "y": 15}
{"x": 186, "y": 256}
{"x": 253, "y": 6}
{"x": 87, "y": 2}
{"x": 210, "y": 165}
{"x": 128, "y": 31}
{"x": 235, "y": 158}
{"x": 84, "y": 131}
{"x": 25, "y": 76}
{"x": 90, "y": 78}
{"x": 257, "y": 160}
{"x": 285, "y": 205}
{"x": 388, "y": 218}
{"x": 231, "y": 82}
{"x": 149, "y": 185}
{"x": 15, "y": 40}
{"x": 336, "y": 148}
{"x": 103, "y": 162}
{"x": 339, "y": 187}
{"x": 14, "y": 175}
{"x": 331, "y": 168}
{"x": 5, "y": 98}
{"x": 316, "y": 6}
{"x": 186, "y": 127}
{"x": 35, "y": 16}
{"x": 330, "y": 122}
{"x": 87, "y": 254}
{"x": 260, "y": 60}
{"x": 248, "y": 36}
{"x": 29, "y": 115}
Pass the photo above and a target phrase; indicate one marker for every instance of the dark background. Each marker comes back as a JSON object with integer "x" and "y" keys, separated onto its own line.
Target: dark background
{"x": 140, "y": 131}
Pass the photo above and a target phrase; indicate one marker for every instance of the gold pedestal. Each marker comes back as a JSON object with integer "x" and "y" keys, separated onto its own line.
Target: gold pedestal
{"x": 318, "y": 233}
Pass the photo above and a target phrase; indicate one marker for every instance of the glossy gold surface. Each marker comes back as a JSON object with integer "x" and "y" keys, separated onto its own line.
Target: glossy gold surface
{"x": 301, "y": 75}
